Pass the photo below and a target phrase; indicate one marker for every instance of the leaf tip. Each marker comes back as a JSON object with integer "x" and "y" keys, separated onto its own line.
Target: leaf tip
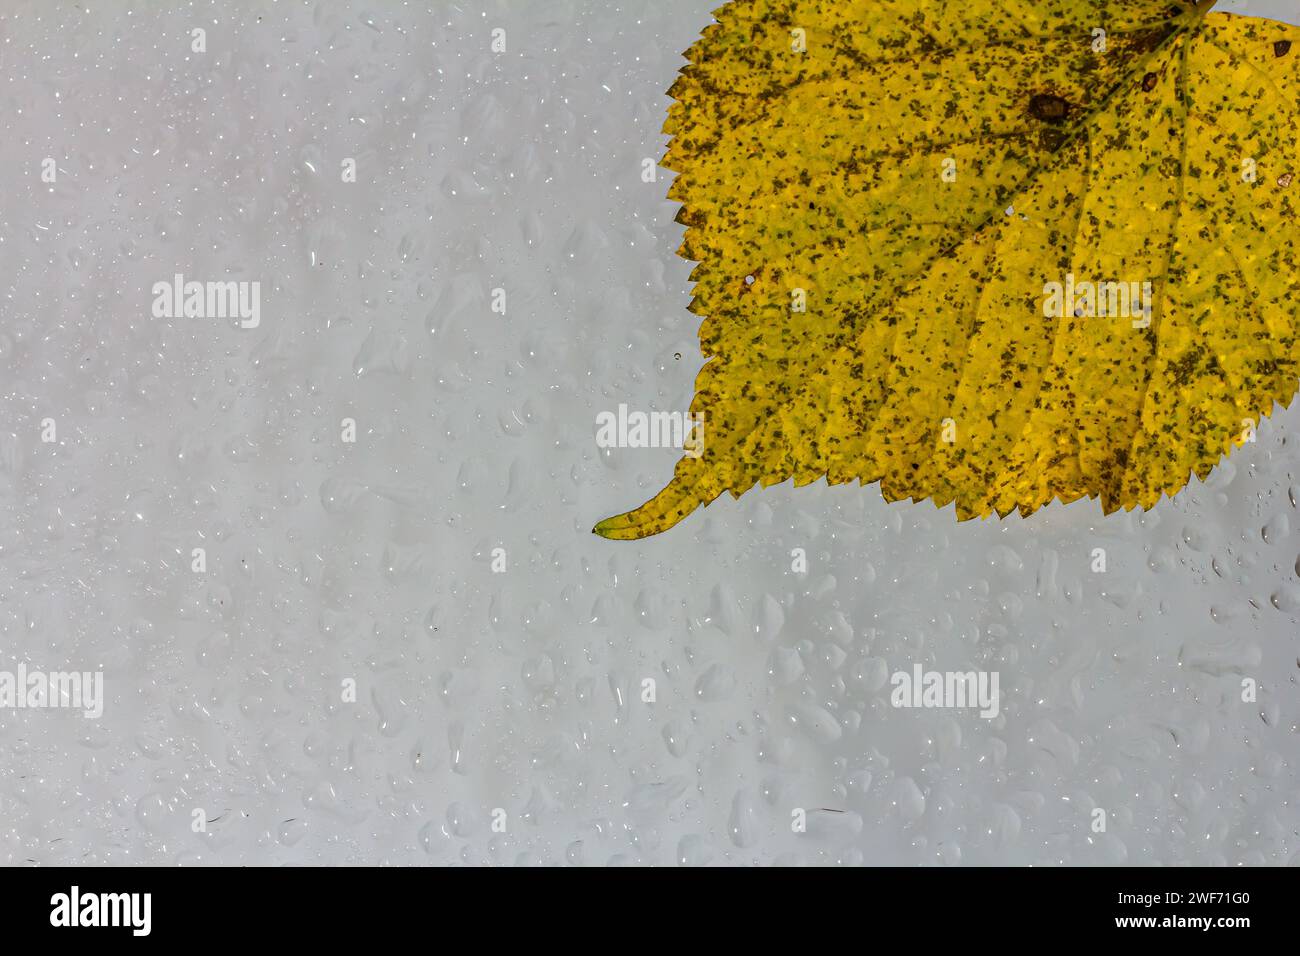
{"x": 677, "y": 500}
{"x": 606, "y": 528}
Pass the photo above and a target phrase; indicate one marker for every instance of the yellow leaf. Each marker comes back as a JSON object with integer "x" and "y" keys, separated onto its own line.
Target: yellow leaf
{"x": 930, "y": 174}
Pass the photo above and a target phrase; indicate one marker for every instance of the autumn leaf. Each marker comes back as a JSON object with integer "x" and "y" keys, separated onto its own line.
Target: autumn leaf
{"x": 990, "y": 254}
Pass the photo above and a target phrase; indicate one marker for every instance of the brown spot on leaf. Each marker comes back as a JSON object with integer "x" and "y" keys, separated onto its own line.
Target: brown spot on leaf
{"x": 1149, "y": 82}
{"x": 1281, "y": 47}
{"x": 1285, "y": 179}
{"x": 1048, "y": 107}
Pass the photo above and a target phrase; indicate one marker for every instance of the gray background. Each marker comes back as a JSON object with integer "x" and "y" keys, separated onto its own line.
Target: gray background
{"x": 372, "y": 561}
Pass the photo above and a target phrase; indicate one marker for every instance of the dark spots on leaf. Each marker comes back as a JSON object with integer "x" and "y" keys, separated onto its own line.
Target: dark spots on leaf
{"x": 1281, "y": 47}
{"x": 1048, "y": 107}
{"x": 1051, "y": 139}
{"x": 1148, "y": 40}
{"x": 1184, "y": 371}
{"x": 686, "y": 218}
{"x": 1149, "y": 82}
